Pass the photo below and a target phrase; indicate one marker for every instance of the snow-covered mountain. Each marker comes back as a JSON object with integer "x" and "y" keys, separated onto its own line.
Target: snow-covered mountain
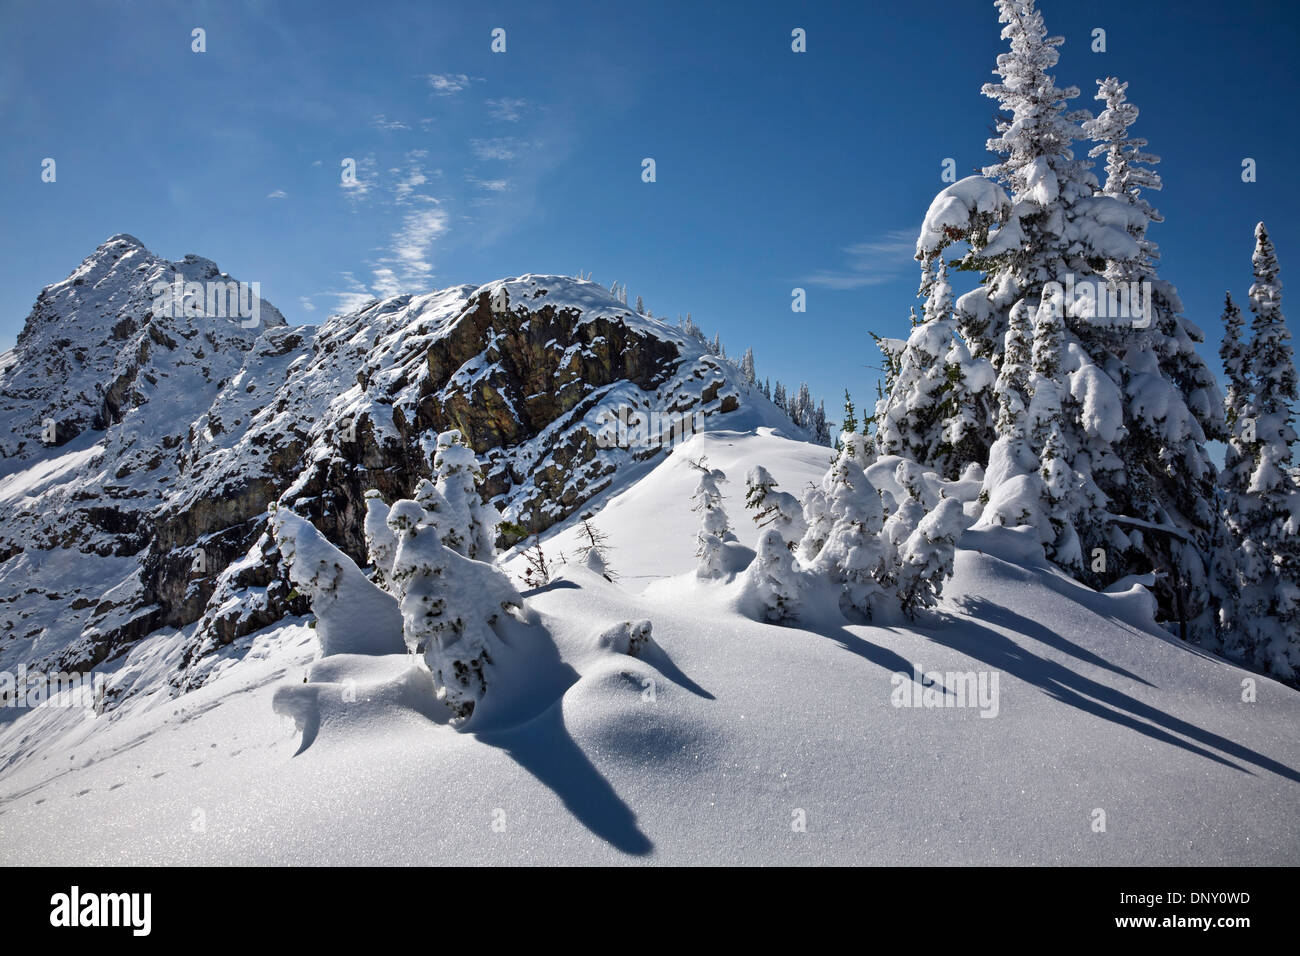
{"x": 141, "y": 447}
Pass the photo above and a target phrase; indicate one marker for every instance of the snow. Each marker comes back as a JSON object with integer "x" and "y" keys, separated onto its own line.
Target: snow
{"x": 354, "y": 616}
{"x": 695, "y": 738}
{"x": 1102, "y": 405}
{"x": 956, "y": 208}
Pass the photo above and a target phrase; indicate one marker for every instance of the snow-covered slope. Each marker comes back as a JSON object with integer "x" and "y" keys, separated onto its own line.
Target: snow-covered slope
{"x": 722, "y": 740}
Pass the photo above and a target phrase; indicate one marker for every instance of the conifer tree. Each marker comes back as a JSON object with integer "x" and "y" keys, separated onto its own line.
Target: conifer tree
{"x": 593, "y": 551}
{"x": 470, "y": 526}
{"x": 715, "y": 530}
{"x": 850, "y": 422}
{"x": 775, "y": 509}
{"x": 773, "y": 579}
{"x": 1274, "y": 519}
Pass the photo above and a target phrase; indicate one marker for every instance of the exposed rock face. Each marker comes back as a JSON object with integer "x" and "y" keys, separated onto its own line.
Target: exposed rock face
{"x": 173, "y": 437}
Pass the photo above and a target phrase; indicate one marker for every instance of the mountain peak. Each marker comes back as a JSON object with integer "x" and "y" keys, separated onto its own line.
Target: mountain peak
{"x": 122, "y": 238}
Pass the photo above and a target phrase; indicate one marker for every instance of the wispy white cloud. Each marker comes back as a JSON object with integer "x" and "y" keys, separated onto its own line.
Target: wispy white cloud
{"x": 382, "y": 122}
{"x": 413, "y": 243}
{"x": 278, "y": 194}
{"x": 492, "y": 185}
{"x": 353, "y": 297}
{"x": 351, "y": 301}
{"x": 872, "y": 262}
{"x": 445, "y": 84}
{"x": 407, "y": 179}
{"x": 501, "y": 148}
{"x": 507, "y": 109}
{"x": 385, "y": 282}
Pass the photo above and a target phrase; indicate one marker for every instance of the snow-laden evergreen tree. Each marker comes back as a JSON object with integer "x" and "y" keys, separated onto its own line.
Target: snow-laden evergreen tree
{"x": 1239, "y": 408}
{"x": 1059, "y": 491}
{"x": 353, "y": 615}
{"x": 450, "y": 607}
{"x": 470, "y": 526}
{"x": 938, "y": 401}
{"x": 853, "y": 554}
{"x": 910, "y": 421}
{"x": 1048, "y": 241}
{"x": 779, "y": 399}
{"x": 715, "y": 530}
{"x": 767, "y": 389}
{"x": 1274, "y": 374}
{"x": 381, "y": 542}
{"x": 438, "y": 514}
{"x": 817, "y": 520}
{"x": 1045, "y": 399}
{"x": 405, "y": 517}
{"x": 772, "y": 580}
{"x": 906, "y": 515}
{"x": 1128, "y": 169}
{"x": 1272, "y": 519}
{"x": 689, "y": 327}
{"x": 774, "y": 509}
{"x": 821, "y": 429}
{"x": 1153, "y": 466}
{"x": 640, "y": 306}
{"x": 1012, "y": 454}
{"x": 925, "y": 559}
{"x": 747, "y": 368}
{"x": 802, "y": 412}
{"x": 1229, "y": 566}
{"x": 966, "y": 431}
{"x": 1136, "y": 404}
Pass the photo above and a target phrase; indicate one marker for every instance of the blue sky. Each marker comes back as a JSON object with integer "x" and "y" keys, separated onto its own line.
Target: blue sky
{"x": 775, "y": 170}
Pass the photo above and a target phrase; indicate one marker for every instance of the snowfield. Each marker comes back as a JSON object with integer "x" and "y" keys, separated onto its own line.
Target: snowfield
{"x": 720, "y": 740}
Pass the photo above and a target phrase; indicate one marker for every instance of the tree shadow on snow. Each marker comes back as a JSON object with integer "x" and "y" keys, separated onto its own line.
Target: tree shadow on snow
{"x": 525, "y": 719}
{"x": 986, "y": 610}
{"x": 891, "y": 661}
{"x": 999, "y": 652}
{"x": 552, "y": 586}
{"x": 544, "y": 748}
{"x": 658, "y": 658}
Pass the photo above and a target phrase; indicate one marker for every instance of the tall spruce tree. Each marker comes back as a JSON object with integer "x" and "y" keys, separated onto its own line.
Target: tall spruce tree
{"x": 1228, "y": 562}
{"x": 1274, "y": 520}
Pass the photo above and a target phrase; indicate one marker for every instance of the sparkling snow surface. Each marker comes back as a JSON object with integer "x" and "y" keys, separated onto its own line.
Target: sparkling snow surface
{"x": 709, "y": 747}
